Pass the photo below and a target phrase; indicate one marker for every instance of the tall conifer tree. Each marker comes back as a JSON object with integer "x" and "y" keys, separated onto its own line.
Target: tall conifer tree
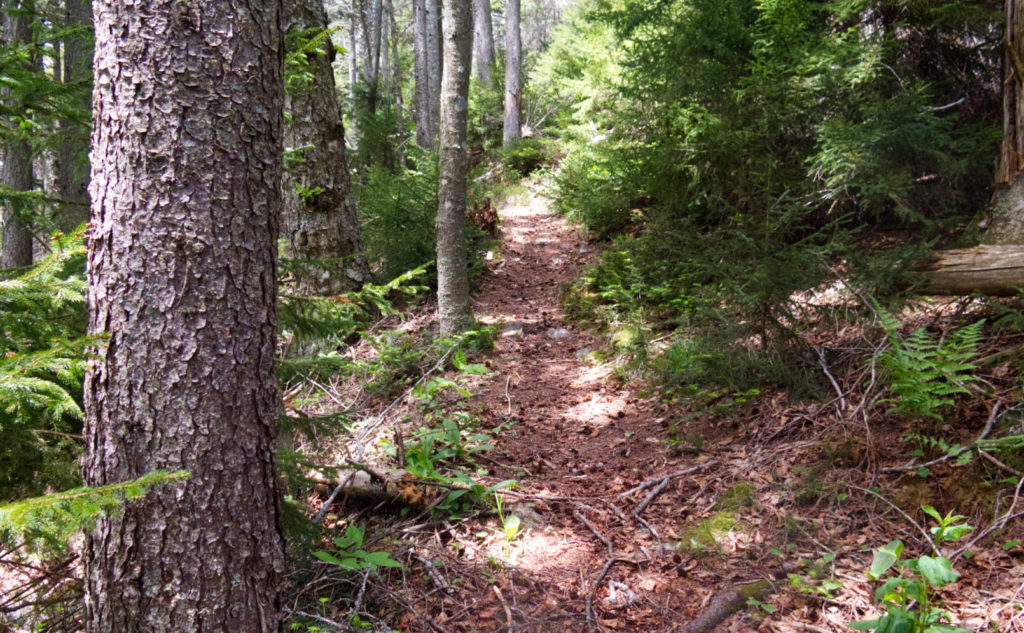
{"x": 186, "y": 191}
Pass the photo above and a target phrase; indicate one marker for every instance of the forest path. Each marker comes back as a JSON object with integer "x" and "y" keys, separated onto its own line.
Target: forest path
{"x": 578, "y": 438}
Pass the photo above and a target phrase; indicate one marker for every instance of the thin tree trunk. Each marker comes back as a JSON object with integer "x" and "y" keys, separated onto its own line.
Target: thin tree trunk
{"x": 186, "y": 192}
{"x": 16, "y": 250}
{"x": 353, "y": 53}
{"x": 483, "y": 40}
{"x": 513, "y": 81}
{"x": 320, "y": 210}
{"x": 454, "y": 311}
{"x": 421, "y": 95}
{"x": 435, "y": 64}
{"x": 73, "y": 156}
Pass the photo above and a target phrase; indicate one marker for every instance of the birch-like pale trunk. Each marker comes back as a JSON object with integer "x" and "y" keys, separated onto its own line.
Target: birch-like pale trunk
{"x": 421, "y": 94}
{"x": 513, "y": 129}
{"x": 435, "y": 64}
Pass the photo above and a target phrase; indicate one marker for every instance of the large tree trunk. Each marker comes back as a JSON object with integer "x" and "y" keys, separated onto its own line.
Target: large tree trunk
{"x": 992, "y": 270}
{"x": 186, "y": 192}
{"x": 453, "y": 308}
{"x": 483, "y": 40}
{"x": 513, "y": 131}
{"x": 16, "y": 250}
{"x": 319, "y": 207}
{"x": 73, "y": 156}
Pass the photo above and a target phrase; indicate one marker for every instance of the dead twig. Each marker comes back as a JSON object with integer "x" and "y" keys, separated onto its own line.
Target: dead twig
{"x": 998, "y": 524}
{"x": 435, "y": 576}
{"x": 831, "y": 379}
{"x": 927, "y": 537}
{"x": 1000, "y": 464}
{"x": 659, "y": 480}
{"x": 337, "y": 626}
{"x": 993, "y": 419}
{"x": 508, "y": 611}
{"x": 591, "y": 616}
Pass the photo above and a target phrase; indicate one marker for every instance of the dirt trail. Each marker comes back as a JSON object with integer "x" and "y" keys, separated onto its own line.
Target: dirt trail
{"x": 636, "y": 514}
{"x": 578, "y": 434}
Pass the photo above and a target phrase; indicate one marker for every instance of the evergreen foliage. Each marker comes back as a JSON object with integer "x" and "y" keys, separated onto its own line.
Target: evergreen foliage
{"x": 397, "y": 211}
{"x": 33, "y": 102}
{"x": 42, "y": 356}
{"x": 796, "y": 131}
{"x": 47, "y": 523}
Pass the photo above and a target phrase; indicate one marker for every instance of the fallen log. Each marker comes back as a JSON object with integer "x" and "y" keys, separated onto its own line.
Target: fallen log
{"x": 727, "y": 602}
{"x": 989, "y": 270}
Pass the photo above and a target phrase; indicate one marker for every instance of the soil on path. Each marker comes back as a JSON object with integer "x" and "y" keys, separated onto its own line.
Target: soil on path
{"x": 578, "y": 439}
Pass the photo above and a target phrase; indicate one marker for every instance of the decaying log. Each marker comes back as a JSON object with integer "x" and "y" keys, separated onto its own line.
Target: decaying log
{"x": 990, "y": 270}
{"x": 726, "y": 603}
{"x": 394, "y": 485}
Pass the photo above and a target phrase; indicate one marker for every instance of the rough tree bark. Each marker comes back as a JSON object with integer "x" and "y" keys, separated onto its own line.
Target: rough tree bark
{"x": 483, "y": 40}
{"x": 73, "y": 155}
{"x": 319, "y": 208}
{"x": 454, "y": 311}
{"x": 1006, "y": 225}
{"x": 513, "y": 131}
{"x": 16, "y": 250}
{"x": 186, "y": 192}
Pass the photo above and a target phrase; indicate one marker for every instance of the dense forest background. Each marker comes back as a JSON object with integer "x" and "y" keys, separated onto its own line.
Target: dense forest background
{"x": 798, "y": 247}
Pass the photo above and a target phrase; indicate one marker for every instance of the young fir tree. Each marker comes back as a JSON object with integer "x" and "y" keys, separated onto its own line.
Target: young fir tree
{"x": 454, "y": 310}
{"x": 186, "y": 189}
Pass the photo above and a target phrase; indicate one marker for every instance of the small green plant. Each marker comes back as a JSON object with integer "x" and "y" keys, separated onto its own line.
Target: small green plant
{"x": 924, "y": 373}
{"x": 909, "y": 594}
{"x": 763, "y": 606}
{"x": 510, "y": 524}
{"x": 816, "y": 579}
{"x": 352, "y": 556}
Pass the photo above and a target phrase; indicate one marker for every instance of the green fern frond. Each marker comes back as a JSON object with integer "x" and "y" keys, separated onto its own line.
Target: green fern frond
{"x": 925, "y": 373}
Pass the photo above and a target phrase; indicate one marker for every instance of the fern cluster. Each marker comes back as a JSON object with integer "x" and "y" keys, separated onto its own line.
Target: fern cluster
{"x": 925, "y": 373}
